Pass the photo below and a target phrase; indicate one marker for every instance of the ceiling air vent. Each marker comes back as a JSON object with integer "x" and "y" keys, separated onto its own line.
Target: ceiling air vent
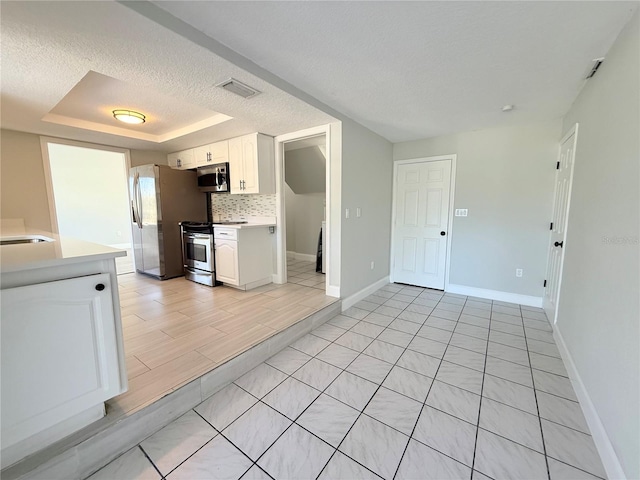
{"x": 596, "y": 66}
{"x": 234, "y": 86}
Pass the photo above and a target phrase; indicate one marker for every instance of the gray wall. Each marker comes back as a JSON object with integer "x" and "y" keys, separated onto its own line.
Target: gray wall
{"x": 366, "y": 182}
{"x": 23, "y": 191}
{"x": 147, "y": 157}
{"x": 304, "y": 219}
{"x": 598, "y": 314}
{"x": 305, "y": 170}
{"x": 505, "y": 178}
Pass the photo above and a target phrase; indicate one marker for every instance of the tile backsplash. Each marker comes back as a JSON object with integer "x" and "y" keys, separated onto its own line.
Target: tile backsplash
{"x": 227, "y": 206}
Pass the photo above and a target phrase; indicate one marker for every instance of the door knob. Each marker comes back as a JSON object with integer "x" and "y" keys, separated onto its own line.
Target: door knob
{"x": 100, "y": 287}
{"x": 558, "y": 244}
{"x": 443, "y": 233}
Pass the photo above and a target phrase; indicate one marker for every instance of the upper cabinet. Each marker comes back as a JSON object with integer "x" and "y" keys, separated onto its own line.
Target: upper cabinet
{"x": 251, "y": 164}
{"x": 182, "y": 160}
{"x": 211, "y": 154}
{"x": 250, "y": 157}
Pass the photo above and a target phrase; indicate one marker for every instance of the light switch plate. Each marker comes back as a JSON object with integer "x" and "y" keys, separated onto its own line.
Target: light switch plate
{"x": 461, "y": 212}
{"x": 358, "y": 212}
{"x": 346, "y": 213}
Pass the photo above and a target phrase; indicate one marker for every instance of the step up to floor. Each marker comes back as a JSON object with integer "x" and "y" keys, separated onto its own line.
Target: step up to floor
{"x": 86, "y": 451}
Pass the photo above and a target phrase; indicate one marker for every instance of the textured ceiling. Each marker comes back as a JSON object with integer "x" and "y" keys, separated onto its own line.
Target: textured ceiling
{"x": 410, "y": 70}
{"x": 90, "y": 104}
{"x": 49, "y": 47}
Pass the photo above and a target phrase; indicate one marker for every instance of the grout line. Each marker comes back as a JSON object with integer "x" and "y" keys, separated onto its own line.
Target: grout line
{"x": 484, "y": 372}
{"x": 544, "y": 445}
{"x": 424, "y": 404}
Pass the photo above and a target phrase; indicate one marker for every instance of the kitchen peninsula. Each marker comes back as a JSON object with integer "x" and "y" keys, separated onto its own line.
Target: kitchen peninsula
{"x": 62, "y": 343}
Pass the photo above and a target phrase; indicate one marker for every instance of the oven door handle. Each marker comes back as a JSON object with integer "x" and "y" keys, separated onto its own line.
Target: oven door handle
{"x": 198, "y": 237}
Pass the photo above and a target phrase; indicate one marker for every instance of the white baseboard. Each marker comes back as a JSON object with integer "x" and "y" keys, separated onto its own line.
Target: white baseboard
{"x": 333, "y": 291}
{"x": 364, "y": 293}
{"x": 607, "y": 454}
{"x": 527, "y": 300}
{"x": 306, "y": 257}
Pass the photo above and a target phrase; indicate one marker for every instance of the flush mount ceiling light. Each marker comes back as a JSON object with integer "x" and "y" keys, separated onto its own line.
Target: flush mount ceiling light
{"x": 507, "y": 108}
{"x": 129, "y": 116}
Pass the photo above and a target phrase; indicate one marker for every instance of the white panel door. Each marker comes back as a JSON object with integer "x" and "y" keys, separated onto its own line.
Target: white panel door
{"x": 421, "y": 223}
{"x": 564, "y": 178}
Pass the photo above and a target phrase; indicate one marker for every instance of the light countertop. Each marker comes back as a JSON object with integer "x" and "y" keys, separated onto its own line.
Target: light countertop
{"x": 241, "y": 226}
{"x": 61, "y": 251}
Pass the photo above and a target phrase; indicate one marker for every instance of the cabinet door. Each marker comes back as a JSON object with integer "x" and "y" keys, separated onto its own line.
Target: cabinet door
{"x": 236, "y": 169}
{"x": 187, "y": 159}
{"x": 59, "y": 353}
{"x": 250, "y": 164}
{"x": 227, "y": 261}
{"x": 220, "y": 152}
{"x": 182, "y": 160}
{"x": 172, "y": 159}
{"x": 202, "y": 155}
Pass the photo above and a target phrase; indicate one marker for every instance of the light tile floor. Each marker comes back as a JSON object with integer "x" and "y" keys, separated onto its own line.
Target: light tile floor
{"x": 176, "y": 330}
{"x": 407, "y": 384}
{"x": 304, "y": 273}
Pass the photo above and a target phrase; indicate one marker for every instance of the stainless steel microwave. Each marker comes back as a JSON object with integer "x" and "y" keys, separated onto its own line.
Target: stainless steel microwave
{"x": 214, "y": 178}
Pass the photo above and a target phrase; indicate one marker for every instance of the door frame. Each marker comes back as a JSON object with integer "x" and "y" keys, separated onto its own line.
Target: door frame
{"x": 572, "y": 131}
{"x": 331, "y": 249}
{"x": 452, "y": 190}
{"x": 45, "y": 141}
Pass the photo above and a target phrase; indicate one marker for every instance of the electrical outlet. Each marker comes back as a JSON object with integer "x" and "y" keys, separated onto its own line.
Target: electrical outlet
{"x": 346, "y": 213}
{"x": 119, "y": 233}
{"x": 373, "y": 264}
{"x": 461, "y": 212}
{"x": 518, "y": 272}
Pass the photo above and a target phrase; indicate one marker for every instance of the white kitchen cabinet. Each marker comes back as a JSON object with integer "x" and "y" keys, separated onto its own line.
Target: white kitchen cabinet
{"x": 59, "y": 354}
{"x": 182, "y": 160}
{"x": 251, "y": 164}
{"x": 243, "y": 256}
{"x": 211, "y": 154}
{"x": 227, "y": 261}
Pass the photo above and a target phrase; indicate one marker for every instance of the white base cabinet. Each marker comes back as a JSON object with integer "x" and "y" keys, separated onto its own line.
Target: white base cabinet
{"x": 243, "y": 256}
{"x": 62, "y": 353}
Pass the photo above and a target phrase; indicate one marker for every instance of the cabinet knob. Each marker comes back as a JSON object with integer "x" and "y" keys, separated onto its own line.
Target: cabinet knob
{"x": 100, "y": 287}
{"x": 443, "y": 233}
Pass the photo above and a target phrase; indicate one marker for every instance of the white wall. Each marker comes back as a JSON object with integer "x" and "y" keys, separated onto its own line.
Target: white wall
{"x": 505, "y": 179}
{"x": 598, "y": 312}
{"x": 367, "y": 169}
{"x": 90, "y": 191}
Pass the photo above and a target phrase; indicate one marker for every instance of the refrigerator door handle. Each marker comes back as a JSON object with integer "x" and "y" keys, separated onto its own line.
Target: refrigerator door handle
{"x": 138, "y": 200}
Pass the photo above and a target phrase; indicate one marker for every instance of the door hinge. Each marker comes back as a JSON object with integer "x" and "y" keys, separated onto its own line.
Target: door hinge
{"x": 545, "y": 284}
{"x": 551, "y": 226}
{"x": 557, "y": 165}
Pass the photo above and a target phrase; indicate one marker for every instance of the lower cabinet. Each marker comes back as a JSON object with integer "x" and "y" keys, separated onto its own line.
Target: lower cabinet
{"x": 227, "y": 261}
{"x": 59, "y": 353}
{"x": 244, "y": 256}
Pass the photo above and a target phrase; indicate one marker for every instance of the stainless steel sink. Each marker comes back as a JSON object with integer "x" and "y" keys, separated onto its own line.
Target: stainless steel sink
{"x": 22, "y": 239}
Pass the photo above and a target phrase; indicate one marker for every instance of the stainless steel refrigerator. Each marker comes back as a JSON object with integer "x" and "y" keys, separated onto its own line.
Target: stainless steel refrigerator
{"x": 160, "y": 198}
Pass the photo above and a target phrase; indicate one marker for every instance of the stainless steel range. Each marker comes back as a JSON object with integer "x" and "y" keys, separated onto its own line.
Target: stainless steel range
{"x": 198, "y": 252}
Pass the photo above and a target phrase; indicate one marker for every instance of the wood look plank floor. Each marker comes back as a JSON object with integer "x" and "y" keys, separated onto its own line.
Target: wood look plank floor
{"x": 176, "y": 330}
